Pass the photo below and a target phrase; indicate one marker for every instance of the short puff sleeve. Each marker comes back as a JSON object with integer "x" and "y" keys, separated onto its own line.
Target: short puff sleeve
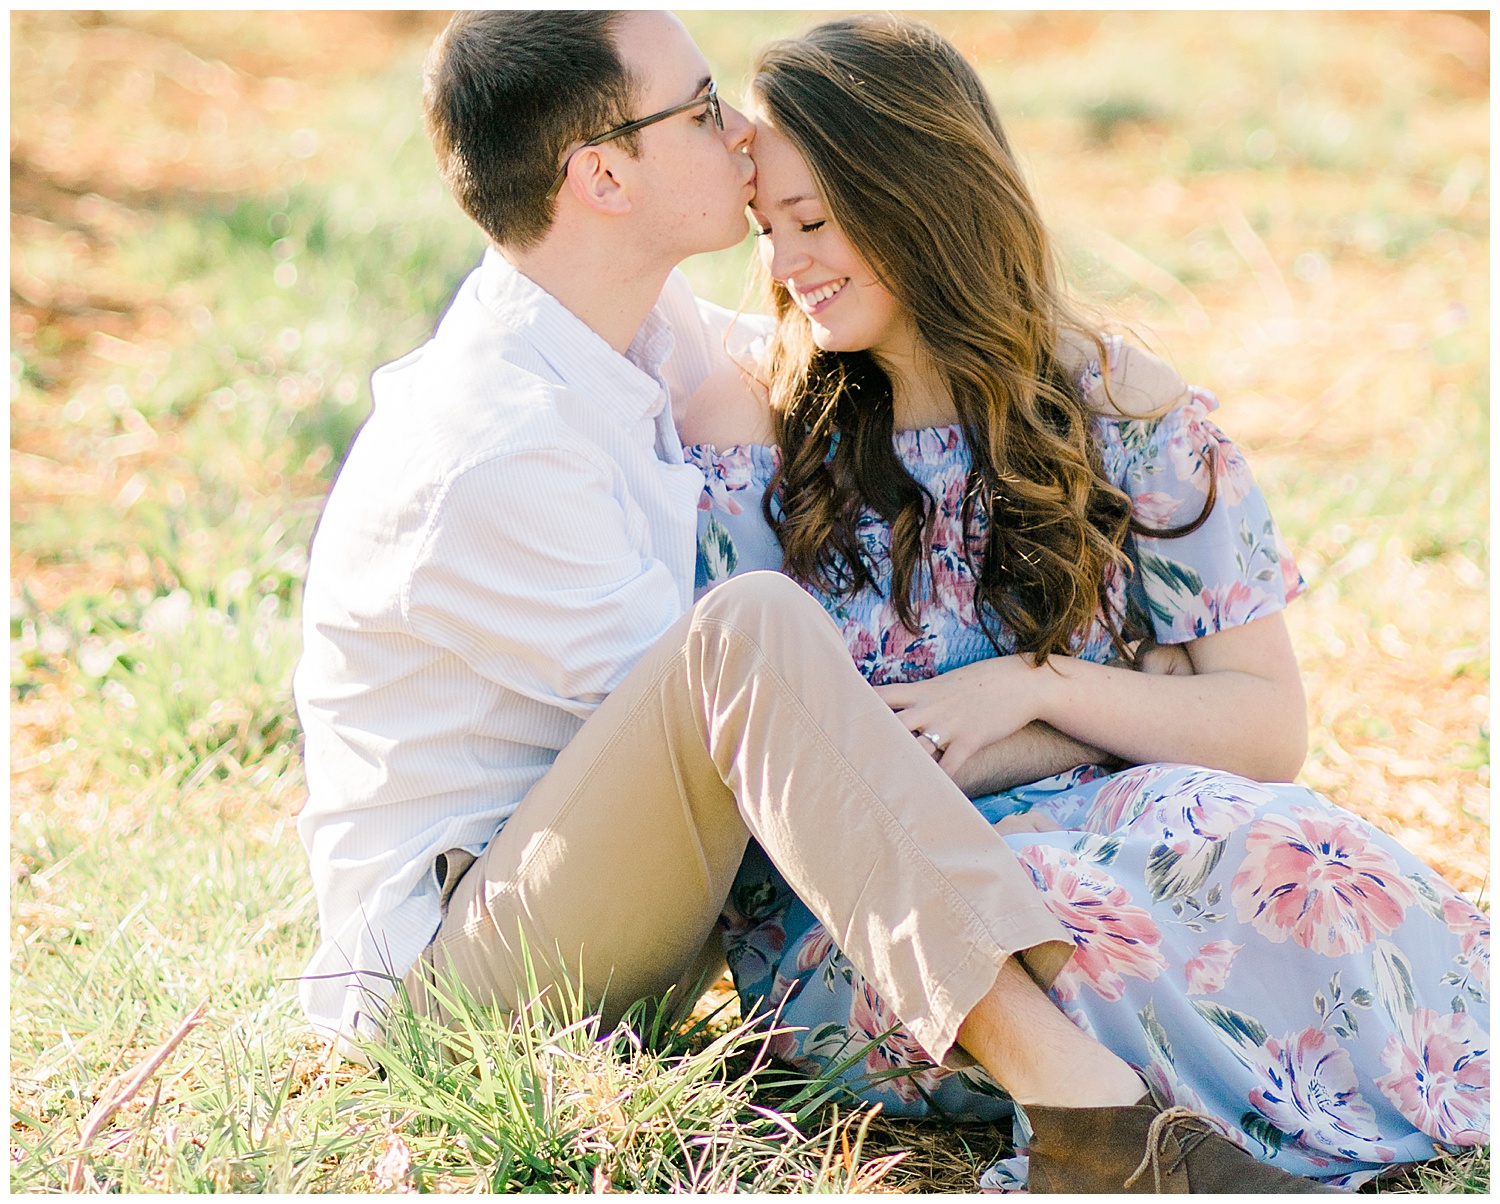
{"x": 1233, "y": 567}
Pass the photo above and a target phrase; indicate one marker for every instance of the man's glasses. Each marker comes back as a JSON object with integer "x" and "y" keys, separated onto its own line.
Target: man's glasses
{"x": 710, "y": 98}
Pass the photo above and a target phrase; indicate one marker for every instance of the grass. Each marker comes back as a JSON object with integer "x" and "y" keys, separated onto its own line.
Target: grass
{"x": 222, "y": 222}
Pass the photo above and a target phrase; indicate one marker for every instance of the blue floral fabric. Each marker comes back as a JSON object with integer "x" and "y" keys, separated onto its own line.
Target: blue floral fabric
{"x": 1257, "y": 953}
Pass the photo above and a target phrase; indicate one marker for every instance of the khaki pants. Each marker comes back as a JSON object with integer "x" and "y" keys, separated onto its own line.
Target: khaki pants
{"x": 747, "y": 718}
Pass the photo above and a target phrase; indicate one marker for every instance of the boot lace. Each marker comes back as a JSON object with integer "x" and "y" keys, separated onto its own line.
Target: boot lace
{"x": 1195, "y": 1129}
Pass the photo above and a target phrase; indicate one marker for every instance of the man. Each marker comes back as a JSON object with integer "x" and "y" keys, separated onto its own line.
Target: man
{"x": 521, "y": 733}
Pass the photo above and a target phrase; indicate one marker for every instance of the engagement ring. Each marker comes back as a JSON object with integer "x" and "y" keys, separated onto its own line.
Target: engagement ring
{"x": 937, "y": 740}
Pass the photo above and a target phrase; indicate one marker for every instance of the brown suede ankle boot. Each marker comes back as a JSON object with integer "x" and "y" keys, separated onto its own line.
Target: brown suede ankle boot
{"x": 1145, "y": 1149}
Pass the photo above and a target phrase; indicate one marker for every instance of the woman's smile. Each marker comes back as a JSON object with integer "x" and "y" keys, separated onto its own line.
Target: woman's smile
{"x": 814, "y": 300}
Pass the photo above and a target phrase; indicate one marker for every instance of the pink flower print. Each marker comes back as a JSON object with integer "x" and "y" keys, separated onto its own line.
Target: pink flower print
{"x": 723, "y": 472}
{"x": 1113, "y": 937}
{"x": 1205, "y": 804}
{"x": 1309, "y": 1090}
{"x": 952, "y": 581}
{"x": 1472, "y": 927}
{"x": 862, "y": 647}
{"x": 1207, "y": 972}
{"x": 903, "y": 656}
{"x": 1231, "y": 604}
{"x": 1194, "y": 442}
{"x": 952, "y": 585}
{"x": 1319, "y": 878}
{"x": 1124, "y": 798}
{"x": 869, "y": 1017}
{"x": 1441, "y": 1082}
{"x": 1155, "y": 509}
{"x": 1291, "y": 578}
{"x": 813, "y": 948}
{"x": 784, "y": 1046}
{"x": 735, "y": 467}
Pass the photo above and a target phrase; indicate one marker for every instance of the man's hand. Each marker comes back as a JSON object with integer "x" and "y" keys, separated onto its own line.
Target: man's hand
{"x": 1163, "y": 660}
{"x": 1027, "y": 821}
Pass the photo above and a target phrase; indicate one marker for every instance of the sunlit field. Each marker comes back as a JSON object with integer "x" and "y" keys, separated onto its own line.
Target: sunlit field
{"x": 221, "y": 223}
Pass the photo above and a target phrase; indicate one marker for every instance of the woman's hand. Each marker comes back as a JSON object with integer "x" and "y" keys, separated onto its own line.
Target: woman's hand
{"x": 966, "y": 709}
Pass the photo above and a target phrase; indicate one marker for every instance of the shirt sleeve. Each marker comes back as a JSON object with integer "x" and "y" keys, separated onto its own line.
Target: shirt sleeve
{"x": 1235, "y": 566}
{"x": 533, "y": 572}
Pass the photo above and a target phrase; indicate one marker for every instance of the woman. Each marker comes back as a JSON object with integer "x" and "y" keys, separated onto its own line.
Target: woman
{"x": 995, "y": 504}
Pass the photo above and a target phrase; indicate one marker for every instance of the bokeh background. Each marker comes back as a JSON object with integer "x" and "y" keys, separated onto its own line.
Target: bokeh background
{"x": 222, "y": 222}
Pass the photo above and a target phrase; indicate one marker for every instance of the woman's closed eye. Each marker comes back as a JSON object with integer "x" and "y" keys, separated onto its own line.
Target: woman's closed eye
{"x": 804, "y": 227}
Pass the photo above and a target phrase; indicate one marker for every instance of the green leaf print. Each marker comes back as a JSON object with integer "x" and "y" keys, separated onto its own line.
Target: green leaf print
{"x": 1237, "y": 1030}
{"x": 1393, "y": 984}
{"x": 1135, "y": 436}
{"x": 1101, "y": 850}
{"x": 1165, "y": 580}
{"x": 717, "y": 550}
{"x": 827, "y": 1041}
{"x": 1427, "y": 896}
{"x": 1170, "y": 874}
{"x": 1258, "y": 1127}
{"x": 1156, "y": 1035}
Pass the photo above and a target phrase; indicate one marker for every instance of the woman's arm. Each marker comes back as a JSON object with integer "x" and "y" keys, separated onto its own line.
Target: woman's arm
{"x": 1039, "y": 750}
{"x": 1241, "y": 710}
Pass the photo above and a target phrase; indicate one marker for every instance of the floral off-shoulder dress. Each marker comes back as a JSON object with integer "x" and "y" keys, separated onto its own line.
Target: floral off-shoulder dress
{"x": 1257, "y": 953}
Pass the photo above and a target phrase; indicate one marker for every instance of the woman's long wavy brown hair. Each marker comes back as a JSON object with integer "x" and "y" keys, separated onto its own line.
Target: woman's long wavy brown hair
{"x": 914, "y": 167}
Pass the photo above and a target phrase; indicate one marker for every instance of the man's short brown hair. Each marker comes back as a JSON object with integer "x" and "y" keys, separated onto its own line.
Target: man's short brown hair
{"x": 505, "y": 94}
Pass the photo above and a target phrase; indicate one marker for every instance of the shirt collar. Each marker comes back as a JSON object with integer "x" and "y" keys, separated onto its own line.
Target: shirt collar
{"x": 628, "y": 386}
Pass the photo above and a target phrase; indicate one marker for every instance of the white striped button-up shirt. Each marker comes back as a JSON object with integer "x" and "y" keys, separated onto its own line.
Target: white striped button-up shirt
{"x": 513, "y": 527}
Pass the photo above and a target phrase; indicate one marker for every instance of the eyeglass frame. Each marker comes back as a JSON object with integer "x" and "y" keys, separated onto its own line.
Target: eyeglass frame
{"x": 710, "y": 98}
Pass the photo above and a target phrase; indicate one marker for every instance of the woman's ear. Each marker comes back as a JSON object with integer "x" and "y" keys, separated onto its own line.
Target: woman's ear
{"x": 593, "y": 182}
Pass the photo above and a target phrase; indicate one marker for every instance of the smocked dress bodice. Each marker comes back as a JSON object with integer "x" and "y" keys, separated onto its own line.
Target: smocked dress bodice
{"x": 1233, "y": 568}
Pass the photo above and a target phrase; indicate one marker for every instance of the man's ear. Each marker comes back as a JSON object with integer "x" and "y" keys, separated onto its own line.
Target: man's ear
{"x": 592, "y": 182}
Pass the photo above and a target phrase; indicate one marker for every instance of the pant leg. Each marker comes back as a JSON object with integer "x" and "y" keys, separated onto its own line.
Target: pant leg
{"x": 749, "y": 718}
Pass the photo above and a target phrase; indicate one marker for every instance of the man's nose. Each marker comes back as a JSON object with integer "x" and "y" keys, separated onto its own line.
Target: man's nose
{"x": 739, "y": 133}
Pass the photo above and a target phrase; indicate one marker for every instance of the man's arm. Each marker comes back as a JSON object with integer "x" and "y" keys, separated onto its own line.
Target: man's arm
{"x": 1036, "y": 751}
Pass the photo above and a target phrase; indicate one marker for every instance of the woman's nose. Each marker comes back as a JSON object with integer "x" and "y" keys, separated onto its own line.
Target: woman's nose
{"x": 785, "y": 261}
